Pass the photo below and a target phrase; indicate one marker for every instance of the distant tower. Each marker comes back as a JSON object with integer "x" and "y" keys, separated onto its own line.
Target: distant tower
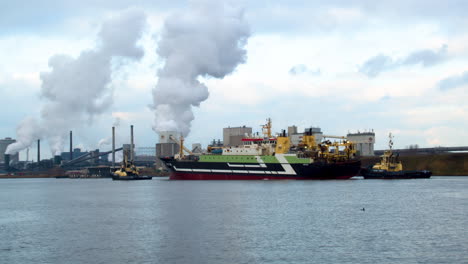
{"x": 167, "y": 146}
{"x": 292, "y": 130}
{"x": 364, "y": 142}
{"x": 232, "y": 136}
{"x": 296, "y": 137}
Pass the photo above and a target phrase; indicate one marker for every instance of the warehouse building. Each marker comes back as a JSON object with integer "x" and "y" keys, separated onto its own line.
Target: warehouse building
{"x": 364, "y": 142}
{"x": 232, "y": 136}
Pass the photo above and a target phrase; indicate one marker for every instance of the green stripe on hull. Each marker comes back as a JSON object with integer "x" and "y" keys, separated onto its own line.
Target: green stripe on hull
{"x": 295, "y": 159}
{"x": 251, "y": 159}
{"x": 237, "y": 158}
{"x": 223, "y": 158}
{"x": 269, "y": 159}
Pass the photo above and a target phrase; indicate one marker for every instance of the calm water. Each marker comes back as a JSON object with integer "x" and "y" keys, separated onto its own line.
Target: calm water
{"x": 161, "y": 221}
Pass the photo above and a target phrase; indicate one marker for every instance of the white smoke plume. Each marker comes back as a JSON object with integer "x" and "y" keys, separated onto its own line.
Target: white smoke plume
{"x": 104, "y": 142}
{"x": 116, "y": 122}
{"x": 77, "y": 89}
{"x": 207, "y": 39}
{"x": 27, "y": 133}
{"x": 108, "y": 140}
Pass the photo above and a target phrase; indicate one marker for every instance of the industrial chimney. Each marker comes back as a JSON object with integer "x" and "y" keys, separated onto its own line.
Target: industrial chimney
{"x": 38, "y": 151}
{"x": 71, "y": 145}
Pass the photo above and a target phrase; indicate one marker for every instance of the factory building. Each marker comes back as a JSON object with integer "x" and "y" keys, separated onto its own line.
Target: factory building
{"x": 3, "y": 146}
{"x": 65, "y": 156}
{"x": 292, "y": 130}
{"x": 127, "y": 148}
{"x": 167, "y": 146}
{"x": 364, "y": 142}
{"x": 297, "y": 137}
{"x": 232, "y": 136}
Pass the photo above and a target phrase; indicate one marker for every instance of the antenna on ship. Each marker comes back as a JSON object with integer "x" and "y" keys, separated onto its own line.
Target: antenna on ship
{"x": 390, "y": 140}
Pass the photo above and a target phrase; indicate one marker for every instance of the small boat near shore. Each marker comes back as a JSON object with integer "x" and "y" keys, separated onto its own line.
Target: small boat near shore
{"x": 390, "y": 167}
{"x": 128, "y": 171}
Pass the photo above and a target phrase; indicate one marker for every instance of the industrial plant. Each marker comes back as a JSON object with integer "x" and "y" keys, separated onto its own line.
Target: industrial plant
{"x": 75, "y": 163}
{"x": 79, "y": 163}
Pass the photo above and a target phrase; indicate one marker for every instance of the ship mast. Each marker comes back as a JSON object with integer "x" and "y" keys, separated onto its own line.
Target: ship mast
{"x": 181, "y": 145}
{"x": 390, "y": 140}
{"x": 266, "y": 129}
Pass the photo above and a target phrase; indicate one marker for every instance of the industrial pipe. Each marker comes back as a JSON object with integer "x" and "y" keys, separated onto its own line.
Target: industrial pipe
{"x": 88, "y": 156}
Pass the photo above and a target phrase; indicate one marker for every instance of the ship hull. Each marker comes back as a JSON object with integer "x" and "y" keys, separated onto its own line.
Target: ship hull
{"x": 194, "y": 170}
{"x": 379, "y": 174}
{"x": 130, "y": 177}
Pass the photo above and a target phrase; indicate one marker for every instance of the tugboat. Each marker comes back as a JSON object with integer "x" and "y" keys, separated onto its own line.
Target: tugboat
{"x": 128, "y": 171}
{"x": 390, "y": 167}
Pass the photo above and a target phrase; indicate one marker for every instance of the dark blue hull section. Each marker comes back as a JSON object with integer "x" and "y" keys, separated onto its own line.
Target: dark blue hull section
{"x": 381, "y": 174}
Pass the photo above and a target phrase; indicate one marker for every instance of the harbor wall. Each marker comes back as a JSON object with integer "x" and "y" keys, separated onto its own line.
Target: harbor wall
{"x": 443, "y": 164}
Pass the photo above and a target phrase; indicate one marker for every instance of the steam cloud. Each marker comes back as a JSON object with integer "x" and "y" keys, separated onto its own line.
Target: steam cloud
{"x": 208, "y": 39}
{"x": 76, "y": 90}
{"x": 380, "y": 63}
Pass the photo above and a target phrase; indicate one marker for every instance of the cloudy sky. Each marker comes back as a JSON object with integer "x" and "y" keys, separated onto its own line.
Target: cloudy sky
{"x": 345, "y": 66}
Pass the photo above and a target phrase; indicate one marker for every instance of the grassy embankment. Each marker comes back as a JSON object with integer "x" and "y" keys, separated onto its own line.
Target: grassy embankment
{"x": 445, "y": 164}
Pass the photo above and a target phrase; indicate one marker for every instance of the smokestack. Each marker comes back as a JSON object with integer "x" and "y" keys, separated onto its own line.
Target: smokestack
{"x": 38, "y": 151}
{"x": 7, "y": 162}
{"x": 71, "y": 145}
{"x": 131, "y": 143}
{"x": 113, "y": 147}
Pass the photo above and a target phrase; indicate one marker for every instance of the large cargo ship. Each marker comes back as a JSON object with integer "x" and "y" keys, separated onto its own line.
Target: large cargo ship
{"x": 268, "y": 158}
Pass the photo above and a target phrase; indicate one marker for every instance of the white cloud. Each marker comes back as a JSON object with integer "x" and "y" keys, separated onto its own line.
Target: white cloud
{"x": 445, "y": 136}
{"x": 334, "y": 36}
